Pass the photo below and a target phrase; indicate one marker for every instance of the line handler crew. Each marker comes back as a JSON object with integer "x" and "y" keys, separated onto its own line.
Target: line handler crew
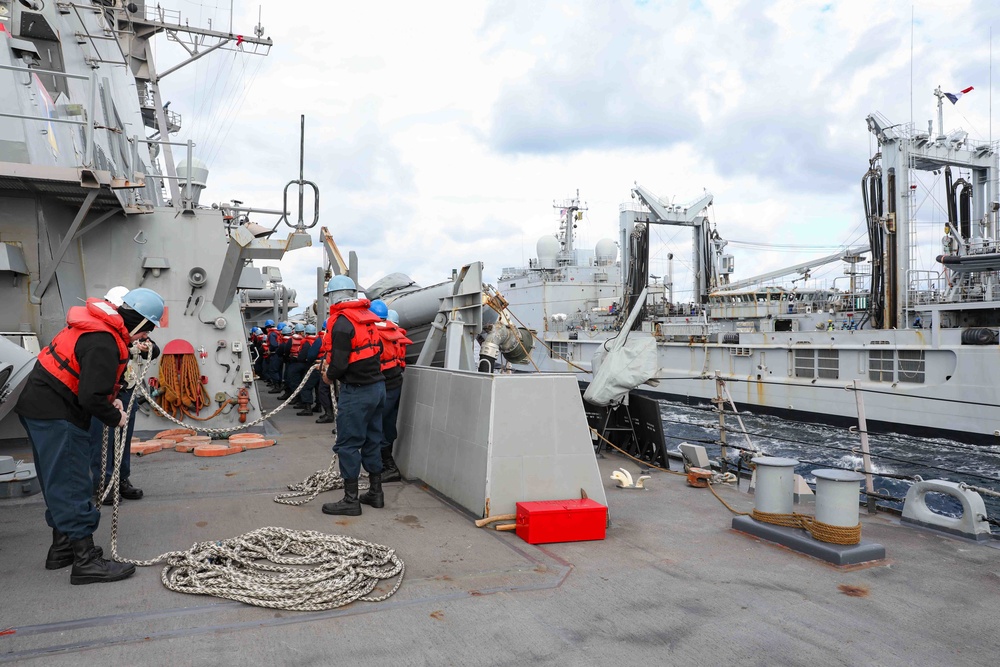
{"x": 75, "y": 379}
{"x": 355, "y": 349}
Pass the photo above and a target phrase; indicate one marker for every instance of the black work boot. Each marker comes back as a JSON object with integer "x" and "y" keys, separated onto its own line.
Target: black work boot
{"x": 285, "y": 395}
{"x": 89, "y": 566}
{"x": 277, "y": 389}
{"x": 306, "y": 412}
{"x": 325, "y": 418}
{"x": 61, "y": 552}
{"x": 128, "y": 491}
{"x": 350, "y": 505}
{"x": 374, "y": 495}
{"x": 390, "y": 472}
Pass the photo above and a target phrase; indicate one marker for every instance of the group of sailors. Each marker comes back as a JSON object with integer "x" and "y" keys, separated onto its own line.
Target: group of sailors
{"x": 81, "y": 386}
{"x": 360, "y": 355}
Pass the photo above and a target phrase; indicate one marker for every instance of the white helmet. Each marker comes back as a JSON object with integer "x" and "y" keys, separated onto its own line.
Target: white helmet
{"x": 116, "y": 294}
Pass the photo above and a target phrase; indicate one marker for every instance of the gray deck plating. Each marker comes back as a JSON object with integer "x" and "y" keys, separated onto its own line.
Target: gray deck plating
{"x": 672, "y": 584}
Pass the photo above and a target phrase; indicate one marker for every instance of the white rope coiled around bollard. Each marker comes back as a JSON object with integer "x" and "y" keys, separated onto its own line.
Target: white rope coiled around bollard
{"x": 279, "y": 568}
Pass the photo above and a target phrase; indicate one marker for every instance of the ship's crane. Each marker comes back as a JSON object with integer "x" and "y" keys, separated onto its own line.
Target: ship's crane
{"x": 798, "y": 268}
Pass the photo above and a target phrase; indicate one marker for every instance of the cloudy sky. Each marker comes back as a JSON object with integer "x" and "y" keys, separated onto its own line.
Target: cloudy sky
{"x": 441, "y": 132}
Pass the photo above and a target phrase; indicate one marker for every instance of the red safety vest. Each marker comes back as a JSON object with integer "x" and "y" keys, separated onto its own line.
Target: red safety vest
{"x": 324, "y": 347}
{"x": 59, "y": 357}
{"x": 293, "y": 352}
{"x": 394, "y": 342}
{"x": 366, "y": 342}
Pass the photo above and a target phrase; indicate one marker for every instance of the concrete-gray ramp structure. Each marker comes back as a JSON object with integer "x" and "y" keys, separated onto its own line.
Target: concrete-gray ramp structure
{"x": 488, "y": 441}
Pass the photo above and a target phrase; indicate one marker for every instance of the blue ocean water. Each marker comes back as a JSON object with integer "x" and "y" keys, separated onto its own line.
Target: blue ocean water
{"x": 820, "y": 446}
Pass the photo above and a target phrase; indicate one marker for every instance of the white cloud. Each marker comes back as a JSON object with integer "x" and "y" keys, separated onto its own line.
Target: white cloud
{"x": 440, "y": 134}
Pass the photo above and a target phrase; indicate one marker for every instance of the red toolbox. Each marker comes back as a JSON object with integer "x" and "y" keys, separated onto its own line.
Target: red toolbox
{"x": 547, "y": 521}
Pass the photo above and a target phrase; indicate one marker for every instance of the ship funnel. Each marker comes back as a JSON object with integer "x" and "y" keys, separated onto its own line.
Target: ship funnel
{"x": 199, "y": 178}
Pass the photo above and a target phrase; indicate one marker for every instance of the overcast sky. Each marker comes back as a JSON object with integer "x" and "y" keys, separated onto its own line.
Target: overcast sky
{"x": 441, "y": 132}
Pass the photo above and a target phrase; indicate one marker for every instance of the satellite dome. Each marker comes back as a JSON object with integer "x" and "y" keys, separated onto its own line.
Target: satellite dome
{"x": 606, "y": 252}
{"x": 547, "y": 248}
{"x": 199, "y": 177}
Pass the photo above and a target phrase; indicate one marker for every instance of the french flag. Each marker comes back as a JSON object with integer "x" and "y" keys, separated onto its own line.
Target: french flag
{"x": 954, "y": 96}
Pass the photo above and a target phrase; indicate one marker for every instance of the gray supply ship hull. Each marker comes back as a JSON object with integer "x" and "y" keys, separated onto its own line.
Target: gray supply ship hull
{"x": 916, "y": 350}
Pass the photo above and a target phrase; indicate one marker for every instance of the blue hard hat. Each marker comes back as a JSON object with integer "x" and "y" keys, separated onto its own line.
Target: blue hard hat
{"x": 281, "y": 326}
{"x": 287, "y": 330}
{"x": 268, "y": 323}
{"x": 338, "y": 283}
{"x": 393, "y": 317}
{"x": 379, "y": 308}
{"x": 256, "y": 330}
{"x": 310, "y": 329}
{"x": 299, "y": 327}
{"x": 146, "y": 302}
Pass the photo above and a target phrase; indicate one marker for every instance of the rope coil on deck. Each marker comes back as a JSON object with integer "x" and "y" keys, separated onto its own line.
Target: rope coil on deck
{"x": 279, "y": 568}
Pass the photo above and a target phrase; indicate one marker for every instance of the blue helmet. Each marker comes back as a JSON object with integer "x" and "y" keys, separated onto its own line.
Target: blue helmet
{"x": 281, "y": 326}
{"x": 299, "y": 327}
{"x": 339, "y": 283}
{"x": 146, "y": 302}
{"x": 256, "y": 330}
{"x": 287, "y": 330}
{"x": 310, "y": 329}
{"x": 393, "y": 317}
{"x": 268, "y": 323}
{"x": 379, "y": 308}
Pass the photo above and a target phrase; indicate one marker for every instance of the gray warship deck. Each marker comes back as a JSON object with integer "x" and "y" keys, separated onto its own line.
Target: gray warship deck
{"x": 671, "y": 584}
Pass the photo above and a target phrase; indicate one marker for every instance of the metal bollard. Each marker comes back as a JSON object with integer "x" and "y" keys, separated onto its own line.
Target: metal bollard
{"x": 837, "y": 501}
{"x": 775, "y": 490}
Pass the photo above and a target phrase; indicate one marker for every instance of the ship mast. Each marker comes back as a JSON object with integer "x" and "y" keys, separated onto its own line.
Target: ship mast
{"x": 571, "y": 210}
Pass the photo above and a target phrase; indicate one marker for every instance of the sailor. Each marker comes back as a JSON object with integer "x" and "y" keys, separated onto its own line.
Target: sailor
{"x": 75, "y": 380}
{"x": 289, "y": 338}
{"x": 265, "y": 366}
{"x": 394, "y": 342}
{"x": 274, "y": 340}
{"x": 354, "y": 360}
{"x": 149, "y": 350}
{"x": 323, "y": 398}
{"x": 300, "y": 360}
{"x": 257, "y": 340}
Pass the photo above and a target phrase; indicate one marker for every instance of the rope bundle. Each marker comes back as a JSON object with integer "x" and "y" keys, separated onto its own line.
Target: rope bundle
{"x": 180, "y": 380}
{"x": 299, "y": 570}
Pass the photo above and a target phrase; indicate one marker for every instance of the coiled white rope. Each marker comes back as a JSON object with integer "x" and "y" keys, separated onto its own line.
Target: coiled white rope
{"x": 280, "y": 568}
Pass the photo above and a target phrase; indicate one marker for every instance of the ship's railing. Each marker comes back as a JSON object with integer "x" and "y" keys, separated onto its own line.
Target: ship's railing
{"x": 88, "y": 125}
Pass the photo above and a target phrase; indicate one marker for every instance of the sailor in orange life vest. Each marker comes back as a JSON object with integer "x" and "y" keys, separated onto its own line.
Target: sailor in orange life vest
{"x": 394, "y": 342}
{"x": 354, "y": 360}
{"x": 148, "y": 350}
{"x": 74, "y": 380}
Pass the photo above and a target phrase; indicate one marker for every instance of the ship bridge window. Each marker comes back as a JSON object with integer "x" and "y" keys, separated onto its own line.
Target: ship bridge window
{"x": 880, "y": 365}
{"x": 782, "y": 325}
{"x": 911, "y": 366}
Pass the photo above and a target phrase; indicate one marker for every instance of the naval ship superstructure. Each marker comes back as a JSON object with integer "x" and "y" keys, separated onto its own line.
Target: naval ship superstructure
{"x": 916, "y": 349}
{"x": 91, "y": 195}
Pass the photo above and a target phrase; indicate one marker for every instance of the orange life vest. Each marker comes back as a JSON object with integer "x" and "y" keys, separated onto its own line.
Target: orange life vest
{"x": 59, "y": 357}
{"x": 394, "y": 342}
{"x": 366, "y": 342}
{"x": 293, "y": 351}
